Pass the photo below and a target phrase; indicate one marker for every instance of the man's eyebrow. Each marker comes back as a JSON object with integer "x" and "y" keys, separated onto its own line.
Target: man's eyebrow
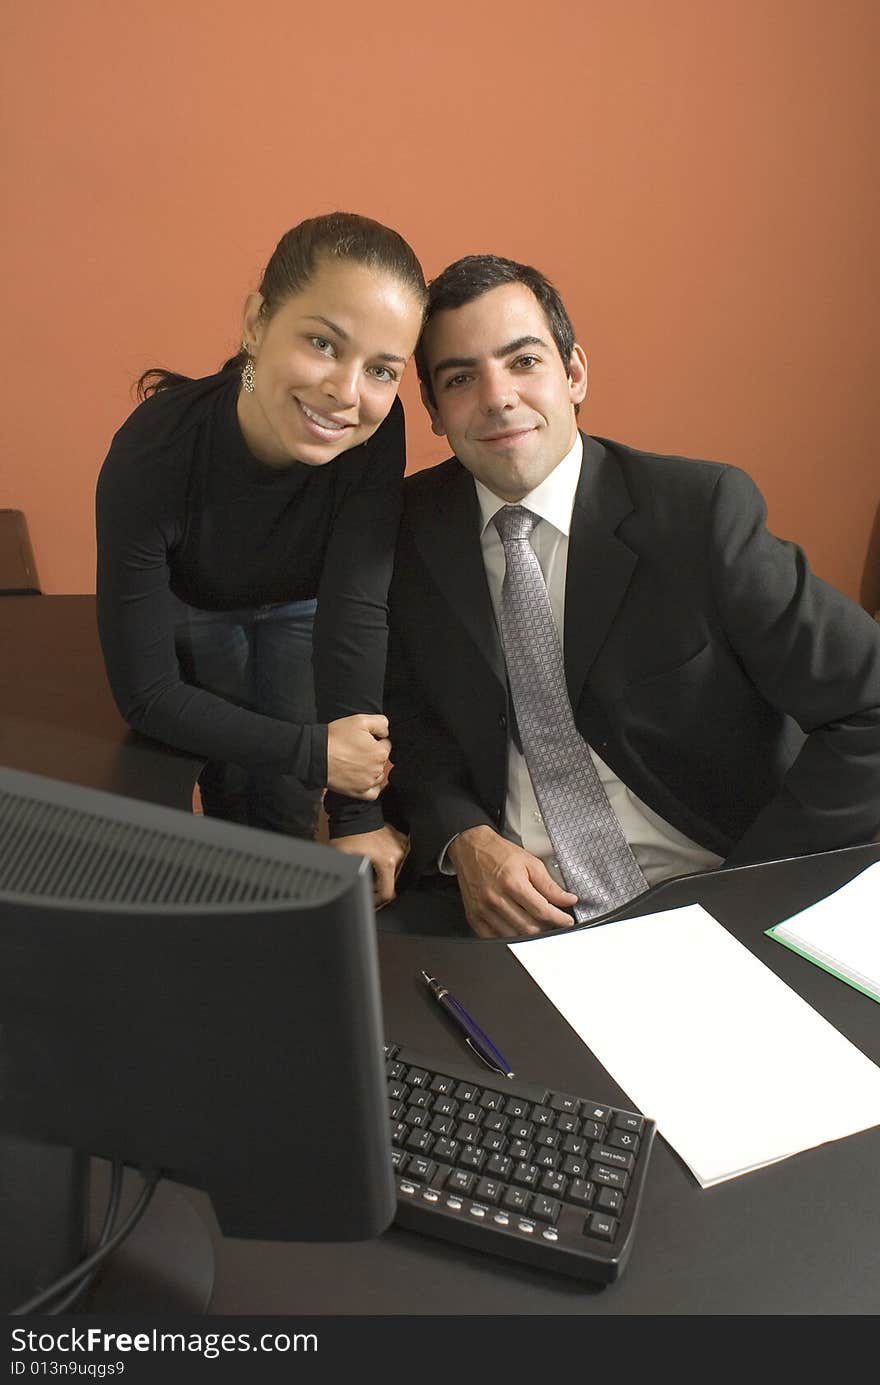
{"x": 343, "y": 335}
{"x": 468, "y": 362}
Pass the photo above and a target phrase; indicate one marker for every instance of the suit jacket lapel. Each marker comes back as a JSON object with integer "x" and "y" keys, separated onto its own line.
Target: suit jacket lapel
{"x": 448, "y": 538}
{"x": 599, "y": 563}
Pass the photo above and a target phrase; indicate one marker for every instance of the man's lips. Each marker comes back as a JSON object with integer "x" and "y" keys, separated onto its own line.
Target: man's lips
{"x": 506, "y": 436}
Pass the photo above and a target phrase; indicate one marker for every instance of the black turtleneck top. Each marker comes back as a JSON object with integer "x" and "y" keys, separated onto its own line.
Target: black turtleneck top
{"x": 183, "y": 507}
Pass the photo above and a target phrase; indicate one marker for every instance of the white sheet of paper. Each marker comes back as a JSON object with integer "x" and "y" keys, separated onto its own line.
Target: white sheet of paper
{"x": 737, "y": 1070}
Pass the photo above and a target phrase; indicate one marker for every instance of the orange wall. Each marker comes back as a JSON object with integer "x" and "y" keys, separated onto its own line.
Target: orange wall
{"x": 696, "y": 176}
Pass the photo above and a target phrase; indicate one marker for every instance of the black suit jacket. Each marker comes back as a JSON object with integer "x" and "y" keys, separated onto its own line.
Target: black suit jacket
{"x": 734, "y": 692}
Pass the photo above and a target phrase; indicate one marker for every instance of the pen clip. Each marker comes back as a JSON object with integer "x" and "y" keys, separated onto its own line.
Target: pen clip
{"x": 483, "y": 1059}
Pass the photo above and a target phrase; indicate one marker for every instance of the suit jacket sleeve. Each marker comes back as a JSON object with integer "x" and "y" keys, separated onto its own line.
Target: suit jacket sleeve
{"x": 431, "y": 793}
{"x": 812, "y": 654}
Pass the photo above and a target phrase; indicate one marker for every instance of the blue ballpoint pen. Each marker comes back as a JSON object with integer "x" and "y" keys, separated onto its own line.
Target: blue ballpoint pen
{"x": 481, "y": 1044}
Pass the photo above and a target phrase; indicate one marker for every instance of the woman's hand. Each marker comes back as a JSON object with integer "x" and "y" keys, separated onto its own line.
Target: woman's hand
{"x": 357, "y": 755}
{"x": 386, "y": 849}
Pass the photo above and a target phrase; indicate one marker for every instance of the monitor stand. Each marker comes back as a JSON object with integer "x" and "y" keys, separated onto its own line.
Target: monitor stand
{"x": 166, "y": 1265}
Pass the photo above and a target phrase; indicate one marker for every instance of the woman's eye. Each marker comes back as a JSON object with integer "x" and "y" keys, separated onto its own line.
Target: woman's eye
{"x": 322, "y": 344}
{"x": 381, "y": 372}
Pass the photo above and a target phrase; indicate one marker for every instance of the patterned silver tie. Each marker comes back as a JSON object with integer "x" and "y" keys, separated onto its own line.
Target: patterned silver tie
{"x": 593, "y": 854}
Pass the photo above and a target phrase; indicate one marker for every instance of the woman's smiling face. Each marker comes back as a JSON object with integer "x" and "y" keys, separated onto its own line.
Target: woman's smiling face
{"x": 328, "y": 363}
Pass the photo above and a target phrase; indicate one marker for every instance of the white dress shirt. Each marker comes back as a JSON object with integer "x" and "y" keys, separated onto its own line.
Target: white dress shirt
{"x": 660, "y": 849}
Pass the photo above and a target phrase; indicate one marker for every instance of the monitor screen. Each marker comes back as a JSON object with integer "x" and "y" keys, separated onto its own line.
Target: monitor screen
{"x": 188, "y": 995}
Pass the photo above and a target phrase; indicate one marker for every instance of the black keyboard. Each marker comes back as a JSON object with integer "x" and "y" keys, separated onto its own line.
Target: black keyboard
{"x": 536, "y": 1175}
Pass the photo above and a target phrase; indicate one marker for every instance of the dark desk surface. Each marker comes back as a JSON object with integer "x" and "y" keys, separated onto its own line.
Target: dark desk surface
{"x": 800, "y": 1237}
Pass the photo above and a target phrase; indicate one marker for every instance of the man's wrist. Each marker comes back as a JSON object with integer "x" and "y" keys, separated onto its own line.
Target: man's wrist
{"x": 470, "y": 837}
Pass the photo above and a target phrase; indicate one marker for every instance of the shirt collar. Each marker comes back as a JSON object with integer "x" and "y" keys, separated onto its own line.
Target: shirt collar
{"x": 553, "y": 500}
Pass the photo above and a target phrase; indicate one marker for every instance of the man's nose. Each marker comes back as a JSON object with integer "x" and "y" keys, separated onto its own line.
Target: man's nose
{"x": 497, "y": 392}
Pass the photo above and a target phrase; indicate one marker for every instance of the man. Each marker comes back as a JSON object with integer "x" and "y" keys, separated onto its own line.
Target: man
{"x": 722, "y": 702}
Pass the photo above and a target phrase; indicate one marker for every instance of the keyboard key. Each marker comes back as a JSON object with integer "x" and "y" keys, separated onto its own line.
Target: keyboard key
{"x": 626, "y": 1120}
{"x": 515, "y": 1106}
{"x": 419, "y": 1141}
{"x": 471, "y": 1113}
{"x": 525, "y": 1175}
{"x": 489, "y": 1189}
{"x": 592, "y": 1130}
{"x": 521, "y": 1150}
{"x": 553, "y": 1184}
{"x": 471, "y": 1157}
{"x": 417, "y": 1117}
{"x": 493, "y": 1120}
{"x": 499, "y": 1166}
{"x": 543, "y": 1115}
{"x": 567, "y": 1124}
{"x": 517, "y": 1199}
{"x": 611, "y": 1178}
{"x": 596, "y": 1113}
{"x": 581, "y": 1192}
{"x": 574, "y": 1167}
{"x": 600, "y": 1224}
{"x": 494, "y": 1141}
{"x": 465, "y": 1091}
{"x": 469, "y": 1134}
{"x": 417, "y": 1077}
{"x": 610, "y": 1200}
{"x": 545, "y": 1208}
{"x": 546, "y": 1159}
{"x": 623, "y": 1139}
{"x": 616, "y": 1157}
{"x": 445, "y": 1105}
{"x": 520, "y": 1130}
{"x": 560, "y": 1101}
{"x": 444, "y": 1085}
{"x": 460, "y": 1181}
{"x": 446, "y": 1151}
{"x": 442, "y": 1125}
{"x": 419, "y": 1168}
{"x": 492, "y": 1101}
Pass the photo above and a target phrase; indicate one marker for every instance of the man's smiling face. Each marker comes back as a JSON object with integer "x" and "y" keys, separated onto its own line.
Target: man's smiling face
{"x": 504, "y": 398}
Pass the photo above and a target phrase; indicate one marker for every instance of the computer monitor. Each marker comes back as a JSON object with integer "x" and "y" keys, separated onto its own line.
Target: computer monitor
{"x": 192, "y": 996}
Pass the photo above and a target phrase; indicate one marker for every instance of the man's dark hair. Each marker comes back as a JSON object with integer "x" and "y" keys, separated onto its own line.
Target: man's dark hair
{"x": 474, "y": 275}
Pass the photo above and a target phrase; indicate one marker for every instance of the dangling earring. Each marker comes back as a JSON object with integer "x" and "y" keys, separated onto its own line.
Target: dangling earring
{"x": 248, "y": 372}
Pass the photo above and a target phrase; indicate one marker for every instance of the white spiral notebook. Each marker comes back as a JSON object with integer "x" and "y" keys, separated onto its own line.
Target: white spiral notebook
{"x": 841, "y": 933}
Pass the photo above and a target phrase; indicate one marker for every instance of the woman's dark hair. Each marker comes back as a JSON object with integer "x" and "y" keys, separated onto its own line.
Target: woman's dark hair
{"x": 474, "y": 275}
{"x": 339, "y": 236}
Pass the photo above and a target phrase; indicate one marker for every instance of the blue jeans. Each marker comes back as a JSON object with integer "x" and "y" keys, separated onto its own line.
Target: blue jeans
{"x": 260, "y": 658}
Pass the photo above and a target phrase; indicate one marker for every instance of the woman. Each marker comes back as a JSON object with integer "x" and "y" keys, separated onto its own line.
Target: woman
{"x": 246, "y": 526}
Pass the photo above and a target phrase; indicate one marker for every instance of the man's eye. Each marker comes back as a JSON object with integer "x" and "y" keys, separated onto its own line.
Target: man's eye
{"x": 454, "y": 381}
{"x": 526, "y": 362}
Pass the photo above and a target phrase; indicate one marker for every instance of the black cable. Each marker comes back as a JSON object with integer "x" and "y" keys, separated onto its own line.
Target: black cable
{"x": 107, "y": 1230}
{"x": 98, "y": 1256}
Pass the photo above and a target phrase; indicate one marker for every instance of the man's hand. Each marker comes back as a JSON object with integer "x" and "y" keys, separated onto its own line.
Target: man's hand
{"x": 506, "y": 892}
{"x": 357, "y": 755}
{"x": 387, "y": 849}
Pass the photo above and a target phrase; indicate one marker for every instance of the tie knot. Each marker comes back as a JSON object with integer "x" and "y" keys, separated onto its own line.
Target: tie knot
{"x": 514, "y": 522}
